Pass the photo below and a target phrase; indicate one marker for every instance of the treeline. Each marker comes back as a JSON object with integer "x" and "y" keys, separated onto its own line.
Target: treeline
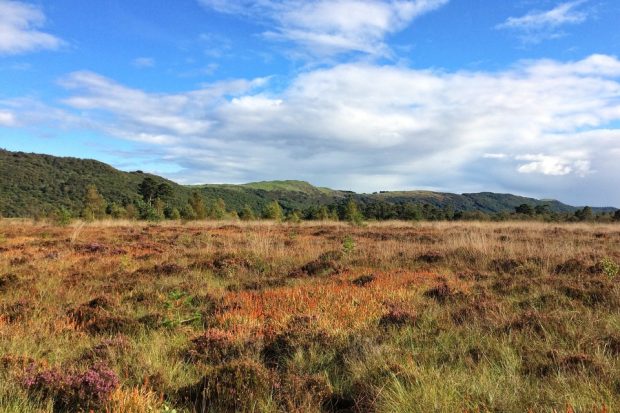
{"x": 154, "y": 205}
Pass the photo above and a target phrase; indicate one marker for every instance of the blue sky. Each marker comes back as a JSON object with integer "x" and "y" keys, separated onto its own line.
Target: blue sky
{"x": 450, "y": 95}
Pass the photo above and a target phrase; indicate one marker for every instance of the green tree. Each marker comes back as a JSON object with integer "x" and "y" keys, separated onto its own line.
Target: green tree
{"x": 524, "y": 209}
{"x": 94, "y": 204}
{"x": 352, "y": 213}
{"x": 116, "y": 211}
{"x": 148, "y": 212}
{"x": 131, "y": 212}
{"x": 412, "y": 212}
{"x": 617, "y": 216}
{"x": 159, "y": 206}
{"x": 322, "y": 213}
{"x": 247, "y": 214}
{"x": 294, "y": 217}
{"x": 273, "y": 210}
{"x": 171, "y": 212}
{"x": 198, "y": 205}
{"x": 188, "y": 213}
{"x": 218, "y": 210}
{"x": 62, "y": 217}
{"x": 151, "y": 190}
{"x": 584, "y": 214}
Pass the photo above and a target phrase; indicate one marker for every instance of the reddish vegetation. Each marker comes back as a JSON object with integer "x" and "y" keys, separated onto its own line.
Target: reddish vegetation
{"x": 308, "y": 318}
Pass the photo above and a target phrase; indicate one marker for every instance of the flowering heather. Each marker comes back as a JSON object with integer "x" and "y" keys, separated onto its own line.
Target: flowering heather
{"x": 71, "y": 390}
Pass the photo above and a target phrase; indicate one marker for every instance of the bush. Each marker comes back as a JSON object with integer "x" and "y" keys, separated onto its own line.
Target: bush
{"x": 62, "y": 217}
{"x": 348, "y": 244}
{"x": 609, "y": 267}
{"x": 70, "y": 390}
{"x": 231, "y": 387}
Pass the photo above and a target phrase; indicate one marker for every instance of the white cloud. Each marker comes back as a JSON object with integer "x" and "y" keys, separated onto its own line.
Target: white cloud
{"x": 539, "y": 25}
{"x": 553, "y": 165}
{"x": 542, "y": 128}
{"x": 19, "y": 29}
{"x": 155, "y": 118}
{"x": 329, "y": 27}
{"x": 495, "y": 156}
{"x": 143, "y": 62}
{"x": 7, "y": 118}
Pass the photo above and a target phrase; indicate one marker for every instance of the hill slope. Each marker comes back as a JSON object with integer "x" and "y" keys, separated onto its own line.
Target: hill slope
{"x": 33, "y": 184}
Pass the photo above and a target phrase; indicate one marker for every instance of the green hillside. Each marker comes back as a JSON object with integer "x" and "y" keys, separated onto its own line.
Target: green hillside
{"x": 33, "y": 184}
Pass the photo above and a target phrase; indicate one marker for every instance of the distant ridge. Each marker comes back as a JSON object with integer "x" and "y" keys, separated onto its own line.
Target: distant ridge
{"x": 32, "y": 184}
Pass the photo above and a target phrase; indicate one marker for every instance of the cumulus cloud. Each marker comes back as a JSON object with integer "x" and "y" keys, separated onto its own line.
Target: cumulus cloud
{"x": 552, "y": 165}
{"x": 329, "y": 27}
{"x": 541, "y": 127}
{"x": 20, "y": 25}
{"x": 539, "y": 25}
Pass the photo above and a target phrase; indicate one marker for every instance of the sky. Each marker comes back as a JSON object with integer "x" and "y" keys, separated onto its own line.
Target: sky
{"x": 519, "y": 96}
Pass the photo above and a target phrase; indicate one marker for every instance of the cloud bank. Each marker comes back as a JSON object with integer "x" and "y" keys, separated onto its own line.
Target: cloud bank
{"x": 541, "y": 127}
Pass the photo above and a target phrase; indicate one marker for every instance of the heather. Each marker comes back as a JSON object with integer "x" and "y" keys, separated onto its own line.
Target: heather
{"x": 120, "y": 316}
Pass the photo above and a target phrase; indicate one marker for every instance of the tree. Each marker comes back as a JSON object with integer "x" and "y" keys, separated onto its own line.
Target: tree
{"x": 148, "y": 212}
{"x": 247, "y": 214}
{"x": 617, "y": 216}
{"x": 524, "y": 209}
{"x": 159, "y": 206}
{"x": 218, "y": 210}
{"x": 333, "y": 216}
{"x": 294, "y": 217}
{"x": 541, "y": 209}
{"x": 94, "y": 204}
{"x": 198, "y": 205}
{"x": 116, "y": 211}
{"x": 352, "y": 213}
{"x": 188, "y": 213}
{"x": 151, "y": 190}
{"x": 322, "y": 213}
{"x": 62, "y": 217}
{"x": 171, "y": 212}
{"x": 131, "y": 212}
{"x": 584, "y": 214}
{"x": 273, "y": 211}
{"x": 412, "y": 212}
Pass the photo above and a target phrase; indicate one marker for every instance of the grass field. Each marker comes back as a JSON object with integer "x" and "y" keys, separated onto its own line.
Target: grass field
{"x": 260, "y": 317}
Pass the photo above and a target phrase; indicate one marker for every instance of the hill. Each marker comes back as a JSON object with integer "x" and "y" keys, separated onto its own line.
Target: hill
{"x": 32, "y": 184}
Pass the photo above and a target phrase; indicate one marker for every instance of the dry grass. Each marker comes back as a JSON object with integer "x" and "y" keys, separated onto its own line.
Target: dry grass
{"x": 262, "y": 317}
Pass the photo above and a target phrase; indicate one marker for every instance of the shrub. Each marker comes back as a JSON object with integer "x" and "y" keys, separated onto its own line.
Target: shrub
{"x": 62, "y": 217}
{"x": 348, "y": 244}
{"x": 213, "y": 346}
{"x": 325, "y": 265}
{"x": 609, "y": 267}
{"x": 232, "y": 387}
{"x": 71, "y": 390}
{"x": 398, "y": 317}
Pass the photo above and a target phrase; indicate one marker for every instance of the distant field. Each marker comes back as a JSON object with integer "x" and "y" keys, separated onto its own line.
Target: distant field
{"x": 316, "y": 317}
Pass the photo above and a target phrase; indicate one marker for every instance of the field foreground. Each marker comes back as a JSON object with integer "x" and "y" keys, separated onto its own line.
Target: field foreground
{"x": 396, "y": 317}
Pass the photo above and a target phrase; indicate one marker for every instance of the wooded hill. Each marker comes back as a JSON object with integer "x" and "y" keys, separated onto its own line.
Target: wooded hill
{"x": 34, "y": 184}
